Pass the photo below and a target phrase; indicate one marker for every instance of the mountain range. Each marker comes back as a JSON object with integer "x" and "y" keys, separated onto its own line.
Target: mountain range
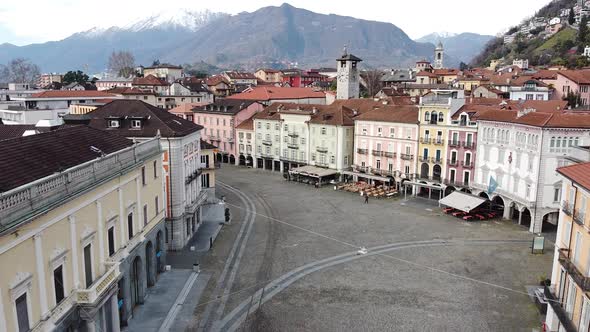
{"x": 269, "y": 37}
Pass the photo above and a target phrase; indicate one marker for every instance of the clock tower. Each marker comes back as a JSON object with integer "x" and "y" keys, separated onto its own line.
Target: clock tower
{"x": 348, "y": 76}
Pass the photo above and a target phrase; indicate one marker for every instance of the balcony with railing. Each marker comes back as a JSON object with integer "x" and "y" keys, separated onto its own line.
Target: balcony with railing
{"x": 390, "y": 154}
{"x": 578, "y": 276}
{"x": 436, "y": 160}
{"x": 321, "y": 149}
{"x": 358, "y": 168}
{"x": 293, "y": 145}
{"x": 452, "y": 162}
{"x": 425, "y": 140}
{"x": 579, "y": 216}
{"x": 423, "y": 159}
{"x": 362, "y": 151}
{"x": 267, "y": 142}
{"x": 322, "y": 164}
{"x": 467, "y": 164}
{"x": 469, "y": 145}
{"x": 377, "y": 153}
{"x": 562, "y": 315}
{"x": 26, "y": 201}
{"x": 382, "y": 172}
{"x": 293, "y": 159}
{"x": 454, "y": 182}
{"x": 91, "y": 294}
{"x": 405, "y": 156}
{"x": 438, "y": 141}
{"x": 294, "y": 135}
{"x": 567, "y": 208}
{"x": 454, "y": 144}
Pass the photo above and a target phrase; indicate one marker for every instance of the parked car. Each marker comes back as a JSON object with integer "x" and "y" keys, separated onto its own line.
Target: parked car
{"x": 449, "y": 210}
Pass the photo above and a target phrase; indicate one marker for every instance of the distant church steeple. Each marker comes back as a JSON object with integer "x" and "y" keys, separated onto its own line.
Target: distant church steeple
{"x": 438, "y": 56}
{"x": 348, "y": 76}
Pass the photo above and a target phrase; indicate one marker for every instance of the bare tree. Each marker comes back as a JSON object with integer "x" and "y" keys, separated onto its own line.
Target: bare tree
{"x": 372, "y": 81}
{"x": 121, "y": 63}
{"x": 20, "y": 70}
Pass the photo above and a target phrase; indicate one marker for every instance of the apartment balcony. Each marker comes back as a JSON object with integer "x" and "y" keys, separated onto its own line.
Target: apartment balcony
{"x": 405, "y": 156}
{"x": 230, "y": 140}
{"x": 322, "y": 164}
{"x": 425, "y": 140}
{"x": 321, "y": 149}
{"x": 362, "y": 151}
{"x": 377, "y": 153}
{"x": 579, "y": 217}
{"x": 293, "y": 145}
{"x": 294, "y": 135}
{"x": 558, "y": 309}
{"x": 357, "y": 168}
{"x": 455, "y": 183}
{"x": 454, "y": 144}
{"x": 469, "y": 145}
{"x": 267, "y": 155}
{"x": 267, "y": 142}
{"x": 438, "y": 141}
{"x": 578, "y": 276}
{"x": 100, "y": 286}
{"x": 390, "y": 154}
{"x": 435, "y": 160}
{"x": 382, "y": 172}
{"x": 293, "y": 159}
{"x": 567, "y": 208}
{"x": 452, "y": 162}
{"x": 467, "y": 164}
{"x": 423, "y": 159}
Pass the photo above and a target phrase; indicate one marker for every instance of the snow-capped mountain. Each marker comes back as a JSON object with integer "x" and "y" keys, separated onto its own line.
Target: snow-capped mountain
{"x": 175, "y": 19}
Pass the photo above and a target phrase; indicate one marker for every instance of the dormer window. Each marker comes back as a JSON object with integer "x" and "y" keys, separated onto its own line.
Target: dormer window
{"x": 136, "y": 124}
{"x": 113, "y": 123}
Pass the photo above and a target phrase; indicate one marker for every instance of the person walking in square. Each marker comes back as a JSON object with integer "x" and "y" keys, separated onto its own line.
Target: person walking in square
{"x": 366, "y": 198}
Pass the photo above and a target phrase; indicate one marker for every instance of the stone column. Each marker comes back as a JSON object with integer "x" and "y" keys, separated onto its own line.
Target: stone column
{"x": 91, "y": 326}
{"x": 40, "y": 263}
{"x": 74, "y": 245}
{"x": 519, "y": 217}
{"x": 114, "y": 307}
{"x": 507, "y": 210}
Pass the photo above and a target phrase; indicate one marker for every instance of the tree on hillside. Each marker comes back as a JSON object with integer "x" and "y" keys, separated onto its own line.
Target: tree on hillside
{"x": 75, "y": 76}
{"x": 19, "y": 70}
{"x": 122, "y": 63}
{"x": 571, "y": 18}
{"x": 583, "y": 32}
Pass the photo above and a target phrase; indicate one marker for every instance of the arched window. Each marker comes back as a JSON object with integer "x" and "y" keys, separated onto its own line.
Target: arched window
{"x": 427, "y": 116}
{"x": 440, "y": 117}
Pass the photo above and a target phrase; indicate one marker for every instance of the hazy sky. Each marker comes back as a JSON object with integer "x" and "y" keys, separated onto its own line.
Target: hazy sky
{"x": 26, "y": 21}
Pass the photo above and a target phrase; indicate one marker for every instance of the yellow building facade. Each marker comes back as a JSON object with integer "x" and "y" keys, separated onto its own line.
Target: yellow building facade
{"x": 567, "y": 296}
{"x": 79, "y": 247}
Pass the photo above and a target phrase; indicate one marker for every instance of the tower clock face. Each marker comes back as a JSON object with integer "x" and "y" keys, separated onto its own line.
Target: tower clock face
{"x": 342, "y": 78}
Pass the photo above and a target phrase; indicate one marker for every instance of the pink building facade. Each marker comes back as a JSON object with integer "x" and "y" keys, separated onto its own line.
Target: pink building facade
{"x": 220, "y": 120}
{"x": 462, "y": 144}
{"x": 574, "y": 81}
{"x": 386, "y": 145}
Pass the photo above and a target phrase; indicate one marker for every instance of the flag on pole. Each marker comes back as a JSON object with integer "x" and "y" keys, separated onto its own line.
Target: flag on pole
{"x": 492, "y": 186}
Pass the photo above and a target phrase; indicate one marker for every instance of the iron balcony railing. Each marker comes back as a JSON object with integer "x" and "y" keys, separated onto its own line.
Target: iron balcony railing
{"x": 468, "y": 164}
{"x": 295, "y": 135}
{"x": 454, "y": 143}
{"x": 423, "y": 159}
{"x": 362, "y": 151}
{"x": 438, "y": 141}
{"x": 455, "y": 183}
{"x": 293, "y": 159}
{"x": 435, "y": 160}
{"x": 425, "y": 140}
{"x": 322, "y": 164}
{"x": 579, "y": 217}
{"x": 579, "y": 278}
{"x": 452, "y": 162}
{"x": 405, "y": 156}
{"x": 469, "y": 145}
{"x": 293, "y": 145}
{"x": 390, "y": 154}
{"x": 560, "y": 312}
{"x": 266, "y": 142}
{"x": 567, "y": 208}
{"x": 382, "y": 172}
{"x": 358, "y": 168}
{"x": 377, "y": 153}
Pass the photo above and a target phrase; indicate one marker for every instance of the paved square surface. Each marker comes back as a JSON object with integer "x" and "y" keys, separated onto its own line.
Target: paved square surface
{"x": 289, "y": 262}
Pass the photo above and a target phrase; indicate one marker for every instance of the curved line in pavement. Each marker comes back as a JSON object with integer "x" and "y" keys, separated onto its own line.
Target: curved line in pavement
{"x": 236, "y": 317}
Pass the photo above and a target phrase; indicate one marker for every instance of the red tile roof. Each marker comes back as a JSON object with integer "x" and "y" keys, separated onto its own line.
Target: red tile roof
{"x": 149, "y": 80}
{"x": 217, "y": 79}
{"x": 571, "y": 119}
{"x": 578, "y": 76}
{"x": 240, "y": 75}
{"x": 426, "y": 73}
{"x": 578, "y": 173}
{"x": 247, "y": 124}
{"x": 266, "y": 93}
{"x": 392, "y": 113}
{"x": 72, "y": 94}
